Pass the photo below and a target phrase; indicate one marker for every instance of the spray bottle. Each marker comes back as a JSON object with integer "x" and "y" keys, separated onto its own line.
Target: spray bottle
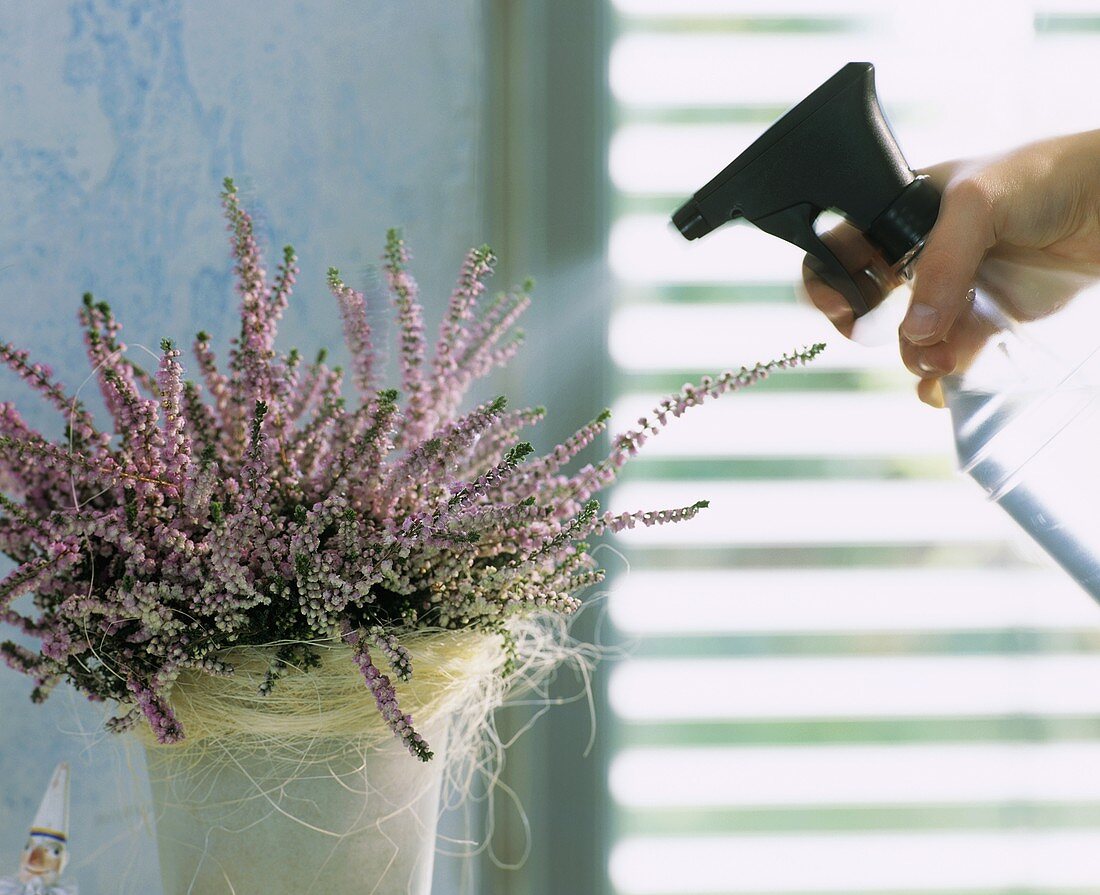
{"x": 1024, "y": 418}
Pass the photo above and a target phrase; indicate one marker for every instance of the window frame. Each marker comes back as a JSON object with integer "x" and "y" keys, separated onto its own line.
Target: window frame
{"x": 547, "y": 192}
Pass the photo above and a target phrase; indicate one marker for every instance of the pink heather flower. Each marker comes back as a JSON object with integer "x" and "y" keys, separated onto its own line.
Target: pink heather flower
{"x": 386, "y": 697}
{"x": 260, "y": 508}
{"x": 251, "y": 358}
{"x": 40, "y": 378}
{"x": 157, "y": 712}
{"x": 353, "y": 312}
{"x": 454, "y": 333}
{"x": 284, "y": 282}
{"x": 388, "y": 645}
{"x": 175, "y": 441}
{"x": 403, "y": 288}
{"x": 217, "y": 384}
{"x": 647, "y": 518}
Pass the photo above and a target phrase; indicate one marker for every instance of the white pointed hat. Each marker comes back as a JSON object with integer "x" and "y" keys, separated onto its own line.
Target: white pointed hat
{"x": 52, "y": 819}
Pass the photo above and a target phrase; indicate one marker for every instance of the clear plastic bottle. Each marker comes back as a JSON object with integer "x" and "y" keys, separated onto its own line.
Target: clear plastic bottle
{"x": 1025, "y": 417}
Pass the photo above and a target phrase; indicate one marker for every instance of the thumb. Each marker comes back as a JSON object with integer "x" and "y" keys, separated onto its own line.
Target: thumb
{"x": 948, "y": 265}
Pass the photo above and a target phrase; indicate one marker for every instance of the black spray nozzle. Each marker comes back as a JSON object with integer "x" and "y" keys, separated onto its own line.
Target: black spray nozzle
{"x": 832, "y": 152}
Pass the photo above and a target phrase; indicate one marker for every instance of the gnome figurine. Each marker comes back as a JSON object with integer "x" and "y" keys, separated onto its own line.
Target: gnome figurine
{"x": 46, "y": 852}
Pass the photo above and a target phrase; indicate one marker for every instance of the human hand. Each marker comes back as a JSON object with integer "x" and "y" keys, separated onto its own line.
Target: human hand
{"x": 1024, "y": 227}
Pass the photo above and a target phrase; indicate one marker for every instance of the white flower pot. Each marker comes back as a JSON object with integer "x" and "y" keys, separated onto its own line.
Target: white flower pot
{"x": 327, "y": 818}
{"x": 306, "y": 790}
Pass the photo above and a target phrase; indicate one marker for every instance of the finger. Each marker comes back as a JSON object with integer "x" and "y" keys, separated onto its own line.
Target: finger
{"x": 827, "y": 300}
{"x": 852, "y": 250}
{"x": 931, "y": 361}
{"x": 955, "y": 353}
{"x": 930, "y": 391}
{"x": 947, "y": 267}
{"x": 849, "y": 245}
{"x": 941, "y": 173}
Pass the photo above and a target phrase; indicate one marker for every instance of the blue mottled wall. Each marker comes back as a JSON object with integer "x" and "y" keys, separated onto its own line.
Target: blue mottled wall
{"x": 117, "y": 122}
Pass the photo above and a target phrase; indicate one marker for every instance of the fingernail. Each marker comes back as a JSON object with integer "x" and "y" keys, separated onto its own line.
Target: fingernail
{"x": 925, "y": 367}
{"x": 920, "y": 322}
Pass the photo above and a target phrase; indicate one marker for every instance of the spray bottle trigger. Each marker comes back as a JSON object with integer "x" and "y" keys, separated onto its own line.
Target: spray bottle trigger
{"x": 796, "y": 225}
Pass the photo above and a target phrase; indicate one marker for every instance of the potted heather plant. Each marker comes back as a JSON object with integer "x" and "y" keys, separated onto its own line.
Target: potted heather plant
{"x": 303, "y": 605}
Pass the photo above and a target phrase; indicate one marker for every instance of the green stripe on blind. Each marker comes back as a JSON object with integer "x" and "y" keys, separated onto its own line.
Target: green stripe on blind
{"x": 1018, "y": 728}
{"x": 1066, "y": 23}
{"x": 642, "y": 822}
{"x": 745, "y": 24}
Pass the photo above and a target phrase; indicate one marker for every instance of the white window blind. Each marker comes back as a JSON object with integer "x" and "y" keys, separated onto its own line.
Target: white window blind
{"x": 850, "y": 674}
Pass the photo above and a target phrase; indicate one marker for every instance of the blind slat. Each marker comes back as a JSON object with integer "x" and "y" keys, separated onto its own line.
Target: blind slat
{"x": 643, "y": 248}
{"x": 753, "y": 601}
{"x": 716, "y": 337}
{"x": 862, "y": 775}
{"x": 856, "y": 687}
{"x": 802, "y": 424}
{"x": 842, "y": 863}
{"x": 789, "y": 513}
{"x": 681, "y": 8}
